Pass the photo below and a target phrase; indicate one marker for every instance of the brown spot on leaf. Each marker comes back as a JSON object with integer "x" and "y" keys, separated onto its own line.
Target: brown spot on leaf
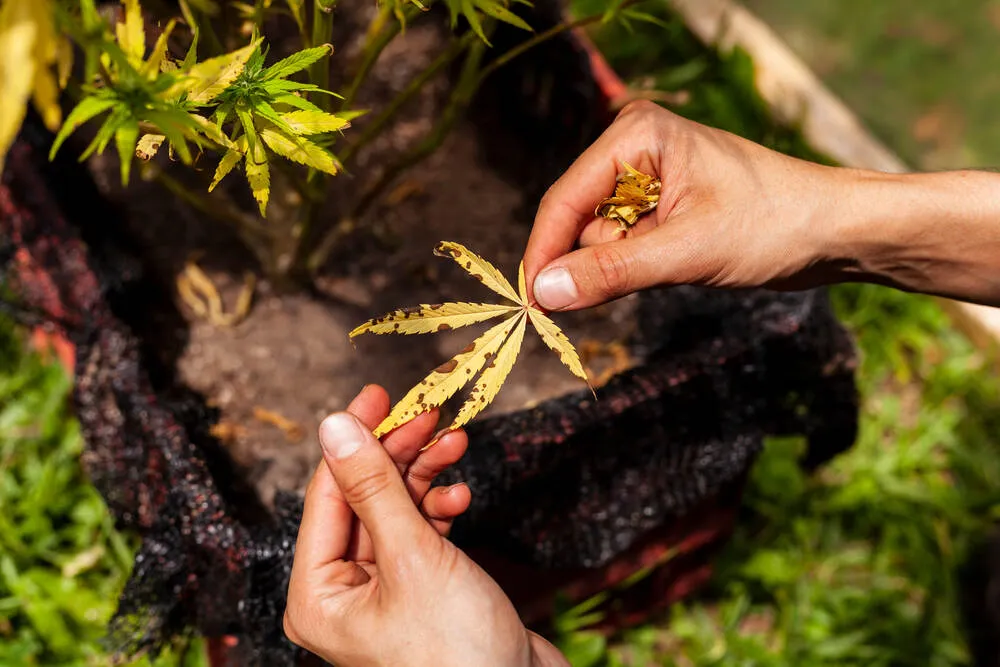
{"x": 447, "y": 366}
{"x": 444, "y": 326}
{"x": 468, "y": 348}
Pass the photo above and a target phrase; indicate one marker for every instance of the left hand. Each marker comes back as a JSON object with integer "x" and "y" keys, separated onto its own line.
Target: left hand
{"x": 374, "y": 582}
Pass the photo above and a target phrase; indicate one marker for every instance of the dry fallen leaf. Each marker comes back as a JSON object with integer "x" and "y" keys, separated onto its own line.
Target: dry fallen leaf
{"x": 495, "y": 350}
{"x": 200, "y": 294}
{"x": 636, "y": 193}
{"x": 292, "y": 429}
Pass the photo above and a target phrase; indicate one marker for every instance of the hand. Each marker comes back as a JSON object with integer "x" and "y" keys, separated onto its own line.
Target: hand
{"x": 731, "y": 213}
{"x": 374, "y": 580}
{"x": 735, "y": 214}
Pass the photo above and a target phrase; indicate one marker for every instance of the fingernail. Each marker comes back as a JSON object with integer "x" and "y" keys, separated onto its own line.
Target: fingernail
{"x": 555, "y": 289}
{"x": 341, "y": 435}
{"x": 449, "y": 489}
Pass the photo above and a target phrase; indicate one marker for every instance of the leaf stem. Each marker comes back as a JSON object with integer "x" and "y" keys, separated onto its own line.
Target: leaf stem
{"x": 322, "y": 33}
{"x": 251, "y": 231}
{"x": 378, "y": 37}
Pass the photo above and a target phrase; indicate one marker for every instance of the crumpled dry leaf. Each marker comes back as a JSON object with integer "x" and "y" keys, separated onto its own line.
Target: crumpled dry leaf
{"x": 636, "y": 193}
{"x": 490, "y": 357}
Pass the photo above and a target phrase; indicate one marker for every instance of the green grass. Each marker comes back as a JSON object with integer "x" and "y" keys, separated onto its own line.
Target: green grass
{"x": 62, "y": 563}
{"x": 922, "y": 75}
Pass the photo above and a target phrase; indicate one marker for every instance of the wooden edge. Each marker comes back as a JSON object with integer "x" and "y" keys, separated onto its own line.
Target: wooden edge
{"x": 797, "y": 97}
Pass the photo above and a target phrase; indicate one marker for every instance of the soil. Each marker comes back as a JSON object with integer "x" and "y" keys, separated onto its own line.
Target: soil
{"x": 291, "y": 356}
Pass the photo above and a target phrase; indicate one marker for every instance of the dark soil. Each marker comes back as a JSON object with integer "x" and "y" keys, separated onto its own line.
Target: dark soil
{"x": 292, "y": 356}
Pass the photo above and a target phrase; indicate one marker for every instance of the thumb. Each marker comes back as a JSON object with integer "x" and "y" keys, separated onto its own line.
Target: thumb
{"x": 601, "y": 273}
{"x": 371, "y": 485}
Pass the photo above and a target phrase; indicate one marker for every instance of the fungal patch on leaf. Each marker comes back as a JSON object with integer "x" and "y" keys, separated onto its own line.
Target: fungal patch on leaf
{"x": 635, "y": 193}
{"x": 488, "y": 359}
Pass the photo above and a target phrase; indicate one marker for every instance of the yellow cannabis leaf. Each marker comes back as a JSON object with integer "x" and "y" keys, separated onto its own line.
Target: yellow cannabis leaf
{"x": 636, "y": 193}
{"x": 32, "y": 54}
{"x": 490, "y": 357}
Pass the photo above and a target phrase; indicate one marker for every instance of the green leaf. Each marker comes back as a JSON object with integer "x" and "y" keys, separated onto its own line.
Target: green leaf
{"x": 295, "y": 101}
{"x": 472, "y": 16}
{"x": 105, "y": 133}
{"x": 173, "y": 128}
{"x": 300, "y": 150}
{"x": 205, "y": 80}
{"x": 313, "y": 122}
{"x": 126, "y": 137}
{"x": 501, "y": 13}
{"x": 191, "y": 57}
{"x": 265, "y": 111}
{"x": 226, "y": 164}
{"x": 81, "y": 113}
{"x": 246, "y": 121}
{"x": 296, "y": 62}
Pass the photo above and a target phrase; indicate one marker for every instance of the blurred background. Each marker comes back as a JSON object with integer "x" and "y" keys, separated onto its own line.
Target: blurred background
{"x": 861, "y": 564}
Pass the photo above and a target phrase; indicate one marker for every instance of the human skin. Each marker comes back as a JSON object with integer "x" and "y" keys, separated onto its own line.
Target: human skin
{"x": 735, "y": 214}
{"x": 374, "y": 581}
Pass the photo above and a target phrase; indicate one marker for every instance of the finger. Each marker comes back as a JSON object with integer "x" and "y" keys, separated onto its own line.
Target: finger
{"x": 432, "y": 462}
{"x": 371, "y": 405}
{"x": 443, "y": 504}
{"x": 569, "y": 204}
{"x": 603, "y": 272}
{"x": 326, "y": 526}
{"x": 404, "y": 443}
{"x": 602, "y": 230}
{"x": 371, "y": 485}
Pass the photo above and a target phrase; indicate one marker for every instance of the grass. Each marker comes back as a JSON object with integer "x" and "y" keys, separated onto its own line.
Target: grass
{"x": 62, "y": 563}
{"x": 856, "y": 565}
{"x": 920, "y": 74}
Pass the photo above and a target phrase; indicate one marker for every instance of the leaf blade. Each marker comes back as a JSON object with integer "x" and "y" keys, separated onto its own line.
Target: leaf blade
{"x": 488, "y": 274}
{"x": 557, "y": 341}
{"x": 442, "y": 383}
{"x": 430, "y": 318}
{"x": 299, "y": 149}
{"x": 491, "y": 381}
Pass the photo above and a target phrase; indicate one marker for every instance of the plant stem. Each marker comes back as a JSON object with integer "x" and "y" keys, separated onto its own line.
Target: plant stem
{"x": 322, "y": 33}
{"x": 466, "y": 87}
{"x": 255, "y": 235}
{"x": 373, "y": 128}
{"x": 375, "y": 43}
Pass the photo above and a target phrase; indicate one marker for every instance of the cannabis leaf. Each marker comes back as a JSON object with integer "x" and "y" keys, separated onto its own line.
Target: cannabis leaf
{"x": 495, "y": 351}
{"x": 473, "y": 9}
{"x": 635, "y": 193}
{"x": 31, "y": 50}
{"x": 136, "y": 91}
{"x": 269, "y": 115}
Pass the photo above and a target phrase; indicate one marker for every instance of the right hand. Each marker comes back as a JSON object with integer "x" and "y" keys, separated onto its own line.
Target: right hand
{"x": 731, "y": 214}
